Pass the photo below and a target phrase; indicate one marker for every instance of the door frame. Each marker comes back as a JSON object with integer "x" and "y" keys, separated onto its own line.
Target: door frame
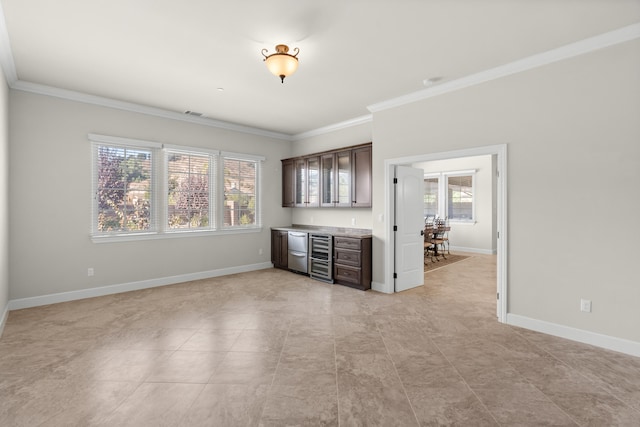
{"x": 500, "y": 151}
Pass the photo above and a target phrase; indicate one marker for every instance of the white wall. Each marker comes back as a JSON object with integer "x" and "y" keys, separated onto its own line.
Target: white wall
{"x": 573, "y": 135}
{"x": 333, "y": 217}
{"x": 4, "y": 198}
{"x": 50, "y": 200}
{"x": 474, "y": 236}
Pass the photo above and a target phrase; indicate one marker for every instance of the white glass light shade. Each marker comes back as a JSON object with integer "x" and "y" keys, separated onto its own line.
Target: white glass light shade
{"x": 282, "y": 64}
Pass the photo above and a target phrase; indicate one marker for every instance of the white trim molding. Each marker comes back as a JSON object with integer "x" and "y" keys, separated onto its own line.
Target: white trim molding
{"x": 334, "y": 127}
{"x": 474, "y": 250}
{"x": 142, "y": 109}
{"x": 20, "y": 303}
{"x": 571, "y": 50}
{"x": 587, "y": 337}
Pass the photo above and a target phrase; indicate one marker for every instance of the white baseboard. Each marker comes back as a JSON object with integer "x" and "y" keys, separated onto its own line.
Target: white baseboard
{"x": 599, "y": 340}
{"x": 3, "y": 319}
{"x": 473, "y": 250}
{"x": 380, "y": 287}
{"x": 17, "y": 304}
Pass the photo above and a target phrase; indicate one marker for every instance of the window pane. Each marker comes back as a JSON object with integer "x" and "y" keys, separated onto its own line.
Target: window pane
{"x": 123, "y": 189}
{"x": 460, "y": 197}
{"x": 188, "y": 196}
{"x": 239, "y": 193}
{"x": 430, "y": 197}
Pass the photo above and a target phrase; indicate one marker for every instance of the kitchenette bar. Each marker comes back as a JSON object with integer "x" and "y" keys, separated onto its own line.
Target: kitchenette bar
{"x": 329, "y": 254}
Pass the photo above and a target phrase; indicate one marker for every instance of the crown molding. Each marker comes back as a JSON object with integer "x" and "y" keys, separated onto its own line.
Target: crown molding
{"x": 368, "y": 118}
{"x": 142, "y": 109}
{"x": 581, "y": 47}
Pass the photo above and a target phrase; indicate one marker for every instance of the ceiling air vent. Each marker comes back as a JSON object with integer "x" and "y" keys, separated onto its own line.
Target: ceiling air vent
{"x": 193, "y": 113}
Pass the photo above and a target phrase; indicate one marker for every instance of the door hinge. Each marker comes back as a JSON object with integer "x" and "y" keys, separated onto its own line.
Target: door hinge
{"x": 498, "y": 173}
{"x": 395, "y": 275}
{"x": 395, "y": 180}
{"x": 498, "y": 295}
{"x": 395, "y": 228}
{"x": 498, "y": 234}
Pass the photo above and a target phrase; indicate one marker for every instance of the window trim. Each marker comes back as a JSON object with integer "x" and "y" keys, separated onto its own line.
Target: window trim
{"x": 159, "y": 191}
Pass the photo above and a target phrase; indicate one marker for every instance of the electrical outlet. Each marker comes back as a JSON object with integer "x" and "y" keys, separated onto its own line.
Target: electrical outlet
{"x": 585, "y": 305}
{"x": 90, "y": 271}
{"x": 260, "y": 251}
{"x": 353, "y": 221}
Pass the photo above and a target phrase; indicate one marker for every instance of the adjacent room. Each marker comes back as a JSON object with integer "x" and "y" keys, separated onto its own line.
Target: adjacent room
{"x": 319, "y": 213}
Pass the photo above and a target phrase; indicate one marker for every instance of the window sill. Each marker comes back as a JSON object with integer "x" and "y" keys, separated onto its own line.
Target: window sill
{"x": 462, "y": 222}
{"x": 130, "y": 237}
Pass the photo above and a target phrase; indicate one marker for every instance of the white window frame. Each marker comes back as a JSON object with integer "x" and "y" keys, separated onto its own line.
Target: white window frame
{"x": 242, "y": 157}
{"x": 160, "y": 188}
{"x": 443, "y": 197}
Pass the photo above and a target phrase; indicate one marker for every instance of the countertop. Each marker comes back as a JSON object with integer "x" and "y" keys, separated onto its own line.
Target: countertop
{"x": 334, "y": 231}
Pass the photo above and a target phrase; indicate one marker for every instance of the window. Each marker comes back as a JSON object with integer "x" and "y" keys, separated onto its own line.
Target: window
{"x": 189, "y": 190}
{"x": 431, "y": 197}
{"x": 460, "y": 197}
{"x": 450, "y": 194}
{"x": 145, "y": 189}
{"x": 240, "y": 195}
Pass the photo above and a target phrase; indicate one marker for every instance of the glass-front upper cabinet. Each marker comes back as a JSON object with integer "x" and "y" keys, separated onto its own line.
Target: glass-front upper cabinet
{"x": 335, "y": 170}
{"x": 343, "y": 179}
{"x": 313, "y": 182}
{"x": 307, "y": 182}
{"x": 327, "y": 172}
{"x": 301, "y": 182}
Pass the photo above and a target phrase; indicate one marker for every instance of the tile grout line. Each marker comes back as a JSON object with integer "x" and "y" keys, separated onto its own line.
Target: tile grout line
{"x": 464, "y": 381}
{"x": 395, "y": 369}
{"x": 273, "y": 380}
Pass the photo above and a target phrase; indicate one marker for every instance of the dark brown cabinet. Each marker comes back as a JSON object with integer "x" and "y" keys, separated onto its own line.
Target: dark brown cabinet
{"x": 361, "y": 177}
{"x": 288, "y": 183}
{"x": 336, "y": 179}
{"x": 352, "y": 261}
{"x": 340, "y": 178}
{"x": 280, "y": 249}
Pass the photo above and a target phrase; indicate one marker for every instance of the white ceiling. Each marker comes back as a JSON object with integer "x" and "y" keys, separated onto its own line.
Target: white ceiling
{"x": 174, "y": 55}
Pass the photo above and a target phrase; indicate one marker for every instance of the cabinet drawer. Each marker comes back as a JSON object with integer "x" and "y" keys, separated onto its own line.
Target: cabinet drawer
{"x": 348, "y": 257}
{"x": 346, "y": 242}
{"x": 346, "y": 273}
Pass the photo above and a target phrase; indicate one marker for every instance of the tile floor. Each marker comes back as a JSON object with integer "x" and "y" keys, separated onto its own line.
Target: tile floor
{"x": 273, "y": 348}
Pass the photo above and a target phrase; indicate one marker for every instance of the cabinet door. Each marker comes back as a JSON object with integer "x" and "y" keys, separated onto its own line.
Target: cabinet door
{"x": 313, "y": 182}
{"x": 327, "y": 183}
{"x": 361, "y": 178}
{"x": 343, "y": 179}
{"x": 301, "y": 183}
{"x": 279, "y": 248}
{"x": 288, "y": 184}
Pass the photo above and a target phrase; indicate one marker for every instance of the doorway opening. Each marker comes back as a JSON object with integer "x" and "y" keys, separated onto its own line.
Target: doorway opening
{"x": 500, "y": 155}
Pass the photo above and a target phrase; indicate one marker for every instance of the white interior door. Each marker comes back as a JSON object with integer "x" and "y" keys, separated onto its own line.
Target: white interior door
{"x": 409, "y": 220}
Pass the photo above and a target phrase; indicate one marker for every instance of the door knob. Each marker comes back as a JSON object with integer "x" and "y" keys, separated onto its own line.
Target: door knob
{"x": 422, "y": 232}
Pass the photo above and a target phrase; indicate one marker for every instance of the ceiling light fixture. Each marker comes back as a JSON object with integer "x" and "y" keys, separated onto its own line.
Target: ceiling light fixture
{"x": 281, "y": 63}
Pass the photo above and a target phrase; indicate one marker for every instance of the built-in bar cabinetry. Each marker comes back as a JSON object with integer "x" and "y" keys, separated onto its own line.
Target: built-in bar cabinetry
{"x": 280, "y": 249}
{"x": 352, "y": 261}
{"x": 306, "y": 182}
{"x": 339, "y": 178}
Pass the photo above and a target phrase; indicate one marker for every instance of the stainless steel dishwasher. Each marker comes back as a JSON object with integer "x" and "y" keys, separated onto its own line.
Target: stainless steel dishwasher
{"x": 298, "y": 248}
